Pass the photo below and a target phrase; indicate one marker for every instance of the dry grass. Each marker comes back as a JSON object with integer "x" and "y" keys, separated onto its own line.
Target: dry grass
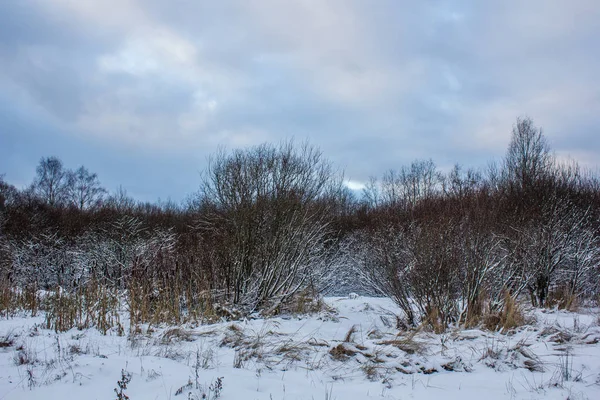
{"x": 342, "y": 352}
{"x": 510, "y": 316}
{"x": 233, "y": 337}
{"x": 292, "y": 351}
{"x": 7, "y": 340}
{"x": 532, "y": 362}
{"x": 92, "y": 305}
{"x": 562, "y": 298}
{"x": 350, "y": 334}
{"x": 176, "y": 335}
{"x": 317, "y": 342}
{"x": 14, "y": 300}
{"x": 98, "y": 303}
{"x": 475, "y": 311}
{"x": 407, "y": 342}
{"x": 266, "y": 345}
{"x": 306, "y": 302}
{"x": 371, "y": 371}
{"x": 24, "y": 355}
{"x": 375, "y": 334}
{"x": 434, "y": 321}
{"x": 457, "y": 365}
{"x": 407, "y": 345}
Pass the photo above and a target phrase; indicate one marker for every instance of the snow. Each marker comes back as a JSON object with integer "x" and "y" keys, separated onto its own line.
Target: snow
{"x": 291, "y": 357}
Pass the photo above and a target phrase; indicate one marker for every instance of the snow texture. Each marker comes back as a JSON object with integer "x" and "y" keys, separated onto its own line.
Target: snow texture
{"x": 351, "y": 350}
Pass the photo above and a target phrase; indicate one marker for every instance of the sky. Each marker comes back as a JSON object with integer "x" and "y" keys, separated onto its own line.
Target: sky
{"x": 143, "y": 91}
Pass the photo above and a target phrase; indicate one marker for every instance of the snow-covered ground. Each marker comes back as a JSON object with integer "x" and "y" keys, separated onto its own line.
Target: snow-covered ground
{"x": 352, "y": 351}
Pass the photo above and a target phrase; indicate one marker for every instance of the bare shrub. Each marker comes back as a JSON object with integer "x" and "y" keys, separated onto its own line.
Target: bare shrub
{"x": 270, "y": 208}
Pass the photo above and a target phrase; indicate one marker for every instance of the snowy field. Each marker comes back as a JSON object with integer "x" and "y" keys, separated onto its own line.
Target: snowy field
{"x": 351, "y": 351}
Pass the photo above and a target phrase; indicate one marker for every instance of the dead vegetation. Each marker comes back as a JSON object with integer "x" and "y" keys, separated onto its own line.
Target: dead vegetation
{"x": 509, "y": 317}
{"x": 378, "y": 352}
{"x": 343, "y": 352}
{"x": 7, "y": 340}
{"x": 350, "y": 334}
{"x": 407, "y": 345}
{"x": 174, "y": 335}
{"x": 499, "y": 355}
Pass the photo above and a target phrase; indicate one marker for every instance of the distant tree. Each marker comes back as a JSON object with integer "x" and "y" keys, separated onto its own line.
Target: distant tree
{"x": 460, "y": 183}
{"x": 51, "y": 182}
{"x": 528, "y": 158}
{"x": 84, "y": 190}
{"x": 421, "y": 180}
{"x": 371, "y": 193}
{"x": 121, "y": 201}
{"x": 8, "y": 193}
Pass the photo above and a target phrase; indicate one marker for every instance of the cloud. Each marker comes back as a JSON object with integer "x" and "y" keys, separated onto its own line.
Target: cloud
{"x": 354, "y": 185}
{"x": 375, "y": 85}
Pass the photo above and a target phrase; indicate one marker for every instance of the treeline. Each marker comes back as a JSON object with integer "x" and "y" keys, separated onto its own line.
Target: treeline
{"x": 256, "y": 237}
{"x": 457, "y": 248}
{"x": 272, "y": 227}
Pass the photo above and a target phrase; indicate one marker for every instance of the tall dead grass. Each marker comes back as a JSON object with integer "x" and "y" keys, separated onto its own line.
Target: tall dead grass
{"x": 14, "y": 300}
{"x": 91, "y": 305}
{"x": 510, "y": 316}
{"x": 563, "y": 298}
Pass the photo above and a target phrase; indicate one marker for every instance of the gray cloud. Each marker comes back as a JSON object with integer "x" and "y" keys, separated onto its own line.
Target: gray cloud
{"x": 375, "y": 85}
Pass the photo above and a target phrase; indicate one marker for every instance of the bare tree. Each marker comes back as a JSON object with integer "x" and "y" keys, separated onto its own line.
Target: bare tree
{"x": 8, "y": 193}
{"x": 528, "y": 158}
{"x": 84, "y": 190}
{"x": 51, "y": 182}
{"x": 371, "y": 193}
{"x": 460, "y": 183}
{"x": 120, "y": 200}
{"x": 406, "y": 187}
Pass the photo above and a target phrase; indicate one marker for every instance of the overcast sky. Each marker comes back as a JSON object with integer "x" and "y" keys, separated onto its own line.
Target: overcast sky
{"x": 142, "y": 91}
